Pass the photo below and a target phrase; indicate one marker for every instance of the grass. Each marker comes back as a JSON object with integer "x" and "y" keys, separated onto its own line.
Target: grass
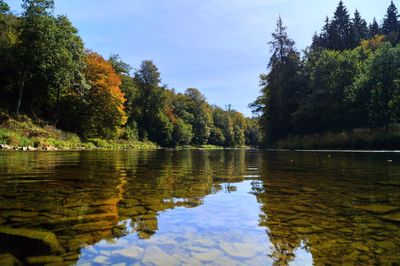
{"x": 24, "y": 132}
{"x": 358, "y": 139}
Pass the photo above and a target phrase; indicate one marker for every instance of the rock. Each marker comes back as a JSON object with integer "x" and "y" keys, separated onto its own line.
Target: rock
{"x": 91, "y": 250}
{"x": 155, "y": 255}
{"x": 239, "y": 250}
{"x": 30, "y": 148}
{"x": 377, "y": 208}
{"x": 9, "y": 260}
{"x": 393, "y": 218}
{"x": 5, "y": 147}
{"x": 209, "y": 255}
{"x": 204, "y": 242}
{"x": 133, "y": 252}
{"x": 361, "y": 247}
{"x": 43, "y": 259}
{"x": 100, "y": 260}
{"x": 40, "y": 240}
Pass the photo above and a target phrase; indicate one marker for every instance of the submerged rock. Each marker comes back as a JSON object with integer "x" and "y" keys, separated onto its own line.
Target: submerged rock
{"x": 32, "y": 240}
{"x": 9, "y": 260}
{"x": 100, "y": 260}
{"x": 209, "y": 255}
{"x": 240, "y": 250}
{"x": 129, "y": 252}
{"x": 393, "y": 218}
{"x": 43, "y": 260}
{"x": 155, "y": 255}
{"x": 377, "y": 208}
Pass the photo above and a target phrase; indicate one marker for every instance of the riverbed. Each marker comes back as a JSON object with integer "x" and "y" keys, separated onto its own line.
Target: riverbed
{"x": 192, "y": 207}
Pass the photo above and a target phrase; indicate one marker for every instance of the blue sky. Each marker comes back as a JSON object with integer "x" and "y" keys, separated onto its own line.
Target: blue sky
{"x": 217, "y": 46}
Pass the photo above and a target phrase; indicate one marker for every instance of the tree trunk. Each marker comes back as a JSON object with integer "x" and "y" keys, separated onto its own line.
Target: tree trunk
{"x": 21, "y": 91}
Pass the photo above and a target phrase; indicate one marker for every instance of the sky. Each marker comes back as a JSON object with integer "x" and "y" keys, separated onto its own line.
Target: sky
{"x": 217, "y": 46}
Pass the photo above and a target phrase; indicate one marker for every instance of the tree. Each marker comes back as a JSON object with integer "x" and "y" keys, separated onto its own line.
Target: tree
{"x": 374, "y": 29}
{"x": 376, "y": 91}
{"x": 202, "y": 122}
{"x": 35, "y": 21}
{"x": 149, "y": 104}
{"x": 128, "y": 86}
{"x": 330, "y": 73}
{"x": 252, "y": 132}
{"x": 182, "y": 134}
{"x": 50, "y": 59}
{"x": 341, "y": 32}
{"x": 104, "y": 114}
{"x": 391, "y": 20}
{"x": 279, "y": 88}
{"x": 391, "y": 24}
{"x": 360, "y": 27}
{"x": 4, "y": 7}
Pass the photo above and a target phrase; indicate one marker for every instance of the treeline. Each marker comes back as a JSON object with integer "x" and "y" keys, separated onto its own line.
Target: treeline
{"x": 47, "y": 73}
{"x": 347, "y": 79}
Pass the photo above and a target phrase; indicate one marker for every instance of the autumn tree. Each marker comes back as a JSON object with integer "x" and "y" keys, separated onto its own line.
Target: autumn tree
{"x": 104, "y": 114}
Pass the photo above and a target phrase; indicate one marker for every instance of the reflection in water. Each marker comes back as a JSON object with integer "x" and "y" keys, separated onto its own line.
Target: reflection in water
{"x": 196, "y": 207}
{"x": 343, "y": 209}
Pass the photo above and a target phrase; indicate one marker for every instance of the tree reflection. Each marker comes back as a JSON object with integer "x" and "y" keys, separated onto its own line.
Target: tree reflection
{"x": 85, "y": 197}
{"x": 331, "y": 207}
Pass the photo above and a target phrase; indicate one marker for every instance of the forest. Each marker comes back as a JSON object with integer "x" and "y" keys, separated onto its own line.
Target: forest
{"x": 47, "y": 74}
{"x": 343, "y": 91}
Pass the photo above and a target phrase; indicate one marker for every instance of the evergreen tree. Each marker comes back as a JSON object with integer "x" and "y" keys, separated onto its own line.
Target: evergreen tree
{"x": 340, "y": 31}
{"x": 391, "y": 20}
{"x": 277, "y": 101}
{"x": 374, "y": 29}
{"x": 360, "y": 28}
{"x": 4, "y": 8}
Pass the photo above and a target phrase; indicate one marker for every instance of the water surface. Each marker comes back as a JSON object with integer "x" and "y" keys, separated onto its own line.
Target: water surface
{"x": 199, "y": 207}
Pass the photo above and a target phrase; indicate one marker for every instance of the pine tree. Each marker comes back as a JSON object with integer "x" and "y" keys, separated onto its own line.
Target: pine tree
{"x": 340, "y": 32}
{"x": 374, "y": 29}
{"x": 360, "y": 27}
{"x": 322, "y": 41}
{"x": 277, "y": 101}
{"x": 391, "y": 20}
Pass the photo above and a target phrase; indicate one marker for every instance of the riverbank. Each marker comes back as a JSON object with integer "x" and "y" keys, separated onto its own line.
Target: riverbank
{"x": 358, "y": 139}
{"x": 24, "y": 134}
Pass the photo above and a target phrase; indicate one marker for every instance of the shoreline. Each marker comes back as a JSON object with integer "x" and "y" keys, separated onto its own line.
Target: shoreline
{"x": 8, "y": 148}
{"x": 334, "y": 151}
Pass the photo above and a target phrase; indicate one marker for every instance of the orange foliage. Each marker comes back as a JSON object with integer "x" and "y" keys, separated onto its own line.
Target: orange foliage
{"x": 374, "y": 43}
{"x": 106, "y": 97}
{"x": 170, "y": 114}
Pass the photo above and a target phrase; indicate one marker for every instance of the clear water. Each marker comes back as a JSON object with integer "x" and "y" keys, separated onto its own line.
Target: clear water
{"x": 199, "y": 207}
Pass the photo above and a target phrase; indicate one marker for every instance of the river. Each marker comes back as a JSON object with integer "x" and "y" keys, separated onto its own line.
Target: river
{"x": 229, "y": 207}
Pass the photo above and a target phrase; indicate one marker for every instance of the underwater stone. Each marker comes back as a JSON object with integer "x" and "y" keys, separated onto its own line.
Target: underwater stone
{"x": 377, "y": 208}
{"x": 130, "y": 252}
{"x": 100, "y": 259}
{"x": 40, "y": 238}
{"x": 155, "y": 255}
{"x": 9, "y": 260}
{"x": 43, "y": 259}
{"x": 241, "y": 250}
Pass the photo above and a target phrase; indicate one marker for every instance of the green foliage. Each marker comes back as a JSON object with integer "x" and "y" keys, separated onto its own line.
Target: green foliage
{"x": 183, "y": 133}
{"x": 47, "y": 74}
{"x": 131, "y": 132}
{"x": 344, "y": 82}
